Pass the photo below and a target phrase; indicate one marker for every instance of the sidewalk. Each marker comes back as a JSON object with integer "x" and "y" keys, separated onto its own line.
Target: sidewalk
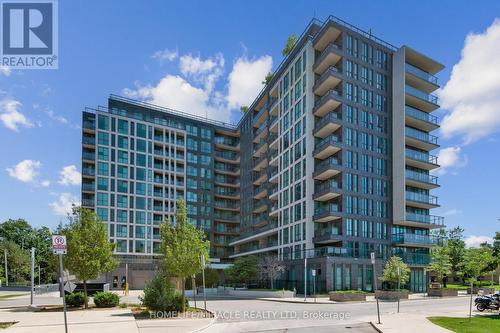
{"x": 407, "y": 323}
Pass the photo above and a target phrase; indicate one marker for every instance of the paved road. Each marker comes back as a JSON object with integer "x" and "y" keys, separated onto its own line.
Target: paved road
{"x": 269, "y": 317}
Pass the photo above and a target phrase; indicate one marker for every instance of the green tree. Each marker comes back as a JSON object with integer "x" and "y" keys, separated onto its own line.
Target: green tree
{"x": 182, "y": 247}
{"x": 19, "y": 262}
{"x": 90, "y": 253}
{"x": 476, "y": 261}
{"x": 455, "y": 246}
{"x": 268, "y": 78}
{"x": 244, "y": 109}
{"x": 290, "y": 43}
{"x": 440, "y": 263}
{"x": 390, "y": 274}
{"x": 243, "y": 270}
{"x": 18, "y": 231}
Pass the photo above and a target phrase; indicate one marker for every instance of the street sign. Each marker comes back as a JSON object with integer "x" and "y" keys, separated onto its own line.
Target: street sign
{"x": 313, "y": 272}
{"x": 372, "y": 256}
{"x": 59, "y": 244}
{"x": 69, "y": 287}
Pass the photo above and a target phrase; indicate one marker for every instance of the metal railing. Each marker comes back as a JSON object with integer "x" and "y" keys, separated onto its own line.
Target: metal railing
{"x": 421, "y": 136}
{"x": 329, "y": 49}
{"x": 423, "y": 218}
{"x": 420, "y": 156}
{"x": 421, "y": 73}
{"x": 332, "y": 70}
{"x": 421, "y": 197}
{"x": 420, "y": 115}
{"x": 421, "y": 177}
{"x": 420, "y": 94}
{"x": 408, "y": 238}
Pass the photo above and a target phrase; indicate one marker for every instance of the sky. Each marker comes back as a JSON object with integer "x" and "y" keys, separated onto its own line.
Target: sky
{"x": 210, "y": 57}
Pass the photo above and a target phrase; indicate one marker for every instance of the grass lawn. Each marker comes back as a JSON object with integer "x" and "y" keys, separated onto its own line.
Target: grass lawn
{"x": 462, "y": 287}
{"x": 479, "y": 324}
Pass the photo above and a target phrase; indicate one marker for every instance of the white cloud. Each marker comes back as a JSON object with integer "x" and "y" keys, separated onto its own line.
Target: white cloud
{"x": 53, "y": 115}
{"x": 25, "y": 171}
{"x": 205, "y": 72}
{"x": 45, "y": 183}
{"x": 472, "y": 94}
{"x": 64, "y": 204}
{"x": 475, "y": 241}
{"x": 450, "y": 158}
{"x": 10, "y": 115}
{"x": 165, "y": 55}
{"x": 69, "y": 175}
{"x": 5, "y": 70}
{"x": 194, "y": 92}
{"x": 452, "y": 211}
{"x": 245, "y": 80}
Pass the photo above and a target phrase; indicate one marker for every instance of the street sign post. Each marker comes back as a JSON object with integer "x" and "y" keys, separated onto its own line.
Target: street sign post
{"x": 399, "y": 286}
{"x": 314, "y": 283}
{"x": 59, "y": 247}
{"x": 203, "y": 277}
{"x": 32, "y": 275}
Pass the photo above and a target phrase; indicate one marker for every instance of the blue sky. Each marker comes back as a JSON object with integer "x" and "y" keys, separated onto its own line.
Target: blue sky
{"x": 211, "y": 57}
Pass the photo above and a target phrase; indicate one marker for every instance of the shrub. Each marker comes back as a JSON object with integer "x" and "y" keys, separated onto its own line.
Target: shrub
{"x": 75, "y": 299}
{"x": 159, "y": 295}
{"x": 106, "y": 299}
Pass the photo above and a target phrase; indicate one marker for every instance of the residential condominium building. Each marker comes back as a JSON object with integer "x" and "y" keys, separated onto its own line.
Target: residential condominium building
{"x": 336, "y": 166}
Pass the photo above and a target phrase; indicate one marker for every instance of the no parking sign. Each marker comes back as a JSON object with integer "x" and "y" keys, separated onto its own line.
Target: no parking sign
{"x": 59, "y": 245}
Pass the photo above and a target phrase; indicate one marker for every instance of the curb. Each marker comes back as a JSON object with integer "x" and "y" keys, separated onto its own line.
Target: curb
{"x": 375, "y": 327}
{"x": 296, "y": 302}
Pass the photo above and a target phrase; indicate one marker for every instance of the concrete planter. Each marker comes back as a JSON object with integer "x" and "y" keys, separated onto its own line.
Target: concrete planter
{"x": 249, "y": 293}
{"x": 484, "y": 290}
{"x": 347, "y": 297}
{"x": 391, "y": 295}
{"x": 440, "y": 292}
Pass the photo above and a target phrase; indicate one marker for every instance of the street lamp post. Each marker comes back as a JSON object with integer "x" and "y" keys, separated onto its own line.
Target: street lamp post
{"x": 6, "y": 272}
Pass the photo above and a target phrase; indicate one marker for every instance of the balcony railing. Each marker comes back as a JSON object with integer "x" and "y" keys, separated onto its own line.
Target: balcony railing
{"x": 88, "y": 202}
{"x": 328, "y": 186}
{"x": 332, "y": 251}
{"x": 226, "y": 141}
{"x": 326, "y": 210}
{"x": 226, "y": 204}
{"x": 226, "y": 217}
{"x": 228, "y": 155}
{"x": 332, "y": 70}
{"x": 421, "y": 73}
{"x": 421, "y": 115}
{"x": 88, "y": 187}
{"x": 226, "y": 191}
{"x": 261, "y": 128}
{"x": 330, "y": 93}
{"x": 326, "y": 164}
{"x": 88, "y": 156}
{"x": 408, "y": 238}
{"x": 415, "y": 258}
{"x": 423, "y": 218}
{"x": 420, "y": 135}
{"x": 260, "y": 204}
{"x": 330, "y": 48}
{"x": 226, "y": 180}
{"x": 225, "y": 167}
{"x": 88, "y": 171}
{"x": 420, "y": 156}
{"x": 329, "y": 140}
{"x": 420, "y": 197}
{"x": 88, "y": 140}
{"x": 259, "y": 114}
{"x": 332, "y": 117}
{"x": 420, "y": 94}
{"x": 421, "y": 177}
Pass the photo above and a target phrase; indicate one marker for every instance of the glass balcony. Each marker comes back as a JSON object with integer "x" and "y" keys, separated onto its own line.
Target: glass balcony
{"x": 88, "y": 202}
{"x": 87, "y": 140}
{"x": 226, "y": 191}
{"x": 329, "y": 101}
{"x": 328, "y": 124}
{"x": 88, "y": 187}
{"x": 88, "y": 171}
{"x": 88, "y": 156}
{"x": 420, "y": 94}
{"x": 327, "y": 168}
{"x": 423, "y": 218}
{"x": 420, "y": 135}
{"x": 421, "y": 177}
{"x": 89, "y": 124}
{"x": 423, "y": 198}
{"x": 328, "y": 80}
{"x": 421, "y": 115}
{"x": 421, "y": 74}
{"x": 227, "y": 217}
{"x": 414, "y": 239}
{"x": 226, "y": 167}
{"x": 228, "y": 155}
{"x": 220, "y": 140}
{"x": 326, "y": 212}
{"x": 326, "y": 190}
{"x": 326, "y": 147}
{"x": 226, "y": 204}
{"x": 420, "y": 156}
{"x": 328, "y": 57}
{"x": 415, "y": 259}
{"x": 332, "y": 251}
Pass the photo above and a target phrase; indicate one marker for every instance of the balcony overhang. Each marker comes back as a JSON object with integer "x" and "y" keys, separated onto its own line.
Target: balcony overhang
{"x": 421, "y": 204}
{"x": 327, "y": 217}
{"x": 422, "y": 61}
{"x": 326, "y": 150}
{"x": 420, "y": 103}
{"x": 326, "y": 195}
{"x": 331, "y": 103}
{"x": 328, "y": 83}
{"x": 415, "y": 224}
{"x": 330, "y": 59}
{"x": 328, "y": 35}
{"x": 254, "y": 237}
{"x": 326, "y": 173}
{"x": 425, "y": 145}
{"x": 420, "y": 184}
{"x": 420, "y": 164}
{"x": 420, "y": 83}
{"x": 420, "y": 124}
{"x": 327, "y": 128}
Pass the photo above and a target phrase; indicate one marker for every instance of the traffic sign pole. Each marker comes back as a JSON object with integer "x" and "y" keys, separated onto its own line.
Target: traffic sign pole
{"x": 59, "y": 247}
{"x": 372, "y": 255}
{"x": 32, "y": 274}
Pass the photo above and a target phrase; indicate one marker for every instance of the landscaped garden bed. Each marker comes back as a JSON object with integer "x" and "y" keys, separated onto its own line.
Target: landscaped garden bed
{"x": 347, "y": 296}
{"x": 442, "y": 292}
{"x": 391, "y": 295}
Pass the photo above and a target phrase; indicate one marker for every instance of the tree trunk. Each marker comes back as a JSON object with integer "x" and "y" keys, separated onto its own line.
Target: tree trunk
{"x": 85, "y": 297}
{"x": 183, "y": 295}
